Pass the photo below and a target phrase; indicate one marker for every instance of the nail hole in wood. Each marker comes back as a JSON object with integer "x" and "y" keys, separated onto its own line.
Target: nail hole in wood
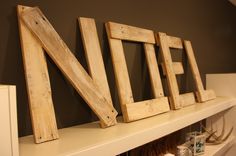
{"x": 108, "y": 117}
{"x": 36, "y": 22}
{"x": 43, "y": 18}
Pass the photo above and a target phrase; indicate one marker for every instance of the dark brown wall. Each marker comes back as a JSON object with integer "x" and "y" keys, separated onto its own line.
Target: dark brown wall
{"x": 209, "y": 24}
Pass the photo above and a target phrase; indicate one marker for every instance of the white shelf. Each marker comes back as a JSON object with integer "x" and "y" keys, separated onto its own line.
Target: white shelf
{"x": 89, "y": 139}
{"x": 219, "y": 150}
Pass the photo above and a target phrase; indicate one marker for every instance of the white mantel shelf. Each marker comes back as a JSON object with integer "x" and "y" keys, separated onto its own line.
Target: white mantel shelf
{"x": 89, "y": 139}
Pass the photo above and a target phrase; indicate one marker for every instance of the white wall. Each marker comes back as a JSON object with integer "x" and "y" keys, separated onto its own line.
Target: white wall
{"x": 223, "y": 85}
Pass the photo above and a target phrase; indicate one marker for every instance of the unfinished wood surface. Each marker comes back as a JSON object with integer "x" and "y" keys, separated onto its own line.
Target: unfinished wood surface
{"x": 173, "y": 42}
{"x": 205, "y": 95}
{"x": 187, "y": 99}
{"x": 168, "y": 66}
{"x": 177, "y": 67}
{"x": 38, "y": 84}
{"x": 143, "y": 109}
{"x": 153, "y": 70}
{"x": 94, "y": 56}
{"x": 131, "y": 33}
{"x": 202, "y": 95}
{"x": 121, "y": 73}
{"x": 135, "y": 110}
{"x": 69, "y": 65}
{"x": 120, "y": 70}
{"x": 193, "y": 65}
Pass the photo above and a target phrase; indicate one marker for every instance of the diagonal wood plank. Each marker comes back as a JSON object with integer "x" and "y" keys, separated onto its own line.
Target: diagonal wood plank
{"x": 94, "y": 56}
{"x": 202, "y": 95}
{"x": 193, "y": 65}
{"x": 38, "y": 84}
{"x": 131, "y": 33}
{"x": 69, "y": 65}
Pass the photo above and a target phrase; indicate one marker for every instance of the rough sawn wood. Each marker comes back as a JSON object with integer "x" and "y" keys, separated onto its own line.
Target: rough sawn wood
{"x": 69, "y": 65}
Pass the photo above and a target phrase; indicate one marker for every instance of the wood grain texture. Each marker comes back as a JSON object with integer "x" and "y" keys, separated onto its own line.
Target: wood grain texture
{"x": 187, "y": 99}
{"x": 177, "y": 67}
{"x": 193, "y": 65}
{"x": 173, "y": 42}
{"x": 69, "y": 65}
{"x": 153, "y": 70}
{"x": 147, "y": 108}
{"x": 202, "y": 94}
{"x": 38, "y": 84}
{"x": 121, "y": 73}
{"x": 135, "y": 110}
{"x": 131, "y": 33}
{"x": 168, "y": 66}
{"x": 94, "y": 56}
{"x": 205, "y": 95}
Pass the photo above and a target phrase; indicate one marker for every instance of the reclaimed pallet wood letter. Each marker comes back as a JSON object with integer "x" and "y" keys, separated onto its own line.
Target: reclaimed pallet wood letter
{"x": 69, "y": 65}
{"x": 170, "y": 69}
{"x": 135, "y": 110}
{"x": 176, "y": 99}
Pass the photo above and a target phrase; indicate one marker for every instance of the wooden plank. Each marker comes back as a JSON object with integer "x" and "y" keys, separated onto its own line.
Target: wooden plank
{"x": 69, "y": 65}
{"x": 205, "y": 95}
{"x": 202, "y": 95}
{"x": 193, "y": 65}
{"x": 153, "y": 70}
{"x": 131, "y": 33}
{"x": 94, "y": 56}
{"x": 38, "y": 84}
{"x": 177, "y": 67}
{"x": 144, "y": 109}
{"x": 187, "y": 99}
{"x": 173, "y": 42}
{"x": 121, "y": 73}
{"x": 171, "y": 79}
